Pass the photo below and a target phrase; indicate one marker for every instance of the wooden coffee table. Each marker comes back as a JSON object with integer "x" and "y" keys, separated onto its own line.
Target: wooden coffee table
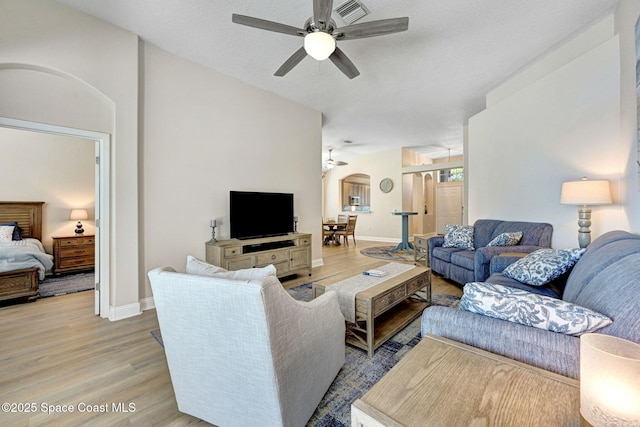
{"x": 384, "y": 309}
{"x": 445, "y": 383}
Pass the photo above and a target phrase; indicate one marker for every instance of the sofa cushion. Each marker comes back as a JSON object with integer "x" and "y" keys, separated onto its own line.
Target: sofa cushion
{"x": 445, "y": 254}
{"x": 201, "y": 268}
{"x": 547, "y": 290}
{"x": 506, "y": 239}
{"x": 515, "y": 305}
{"x": 542, "y": 266}
{"x": 458, "y": 236}
{"x": 463, "y": 259}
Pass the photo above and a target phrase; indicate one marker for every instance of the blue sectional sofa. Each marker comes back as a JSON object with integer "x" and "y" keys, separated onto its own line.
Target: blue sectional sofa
{"x": 606, "y": 279}
{"x": 463, "y": 265}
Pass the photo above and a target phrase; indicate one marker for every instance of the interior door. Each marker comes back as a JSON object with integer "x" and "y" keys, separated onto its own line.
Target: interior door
{"x": 449, "y": 199}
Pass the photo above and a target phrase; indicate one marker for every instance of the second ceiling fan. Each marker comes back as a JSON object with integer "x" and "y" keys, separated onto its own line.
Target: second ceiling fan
{"x": 321, "y": 33}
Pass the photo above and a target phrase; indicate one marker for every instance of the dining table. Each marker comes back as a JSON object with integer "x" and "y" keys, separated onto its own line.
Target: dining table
{"x": 333, "y": 226}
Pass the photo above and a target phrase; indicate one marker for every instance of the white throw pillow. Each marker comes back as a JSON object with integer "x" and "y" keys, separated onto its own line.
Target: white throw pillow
{"x": 527, "y": 308}
{"x": 6, "y": 233}
{"x": 542, "y": 266}
{"x": 506, "y": 239}
{"x": 201, "y": 268}
{"x": 458, "y": 236}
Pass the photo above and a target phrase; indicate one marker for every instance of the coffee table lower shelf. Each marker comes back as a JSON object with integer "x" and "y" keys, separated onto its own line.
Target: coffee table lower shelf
{"x": 386, "y": 325}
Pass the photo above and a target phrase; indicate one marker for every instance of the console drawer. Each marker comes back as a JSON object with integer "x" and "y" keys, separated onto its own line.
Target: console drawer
{"x": 273, "y": 257}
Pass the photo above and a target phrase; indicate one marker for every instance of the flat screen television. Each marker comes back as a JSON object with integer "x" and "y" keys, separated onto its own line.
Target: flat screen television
{"x": 257, "y": 214}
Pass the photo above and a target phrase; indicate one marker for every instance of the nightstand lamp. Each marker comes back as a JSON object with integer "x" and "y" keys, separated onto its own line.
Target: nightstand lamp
{"x": 585, "y": 193}
{"x": 609, "y": 381}
{"x": 78, "y": 214}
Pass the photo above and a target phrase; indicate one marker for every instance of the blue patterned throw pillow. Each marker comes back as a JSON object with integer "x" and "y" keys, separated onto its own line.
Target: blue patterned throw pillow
{"x": 542, "y": 266}
{"x": 506, "y": 239}
{"x": 527, "y": 308}
{"x": 458, "y": 236}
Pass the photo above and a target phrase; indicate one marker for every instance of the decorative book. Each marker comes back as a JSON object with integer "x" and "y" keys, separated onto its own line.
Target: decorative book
{"x": 375, "y": 273}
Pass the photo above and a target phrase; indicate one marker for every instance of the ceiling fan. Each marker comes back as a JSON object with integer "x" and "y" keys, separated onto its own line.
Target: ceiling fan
{"x": 320, "y": 35}
{"x": 330, "y": 163}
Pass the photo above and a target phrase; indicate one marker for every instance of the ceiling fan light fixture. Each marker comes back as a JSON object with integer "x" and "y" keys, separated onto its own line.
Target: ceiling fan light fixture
{"x": 319, "y": 45}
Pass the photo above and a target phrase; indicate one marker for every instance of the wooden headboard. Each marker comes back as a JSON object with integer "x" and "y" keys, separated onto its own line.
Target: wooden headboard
{"x": 27, "y": 214}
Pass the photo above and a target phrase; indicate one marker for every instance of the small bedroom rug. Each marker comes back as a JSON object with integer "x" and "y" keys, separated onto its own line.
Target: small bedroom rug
{"x": 53, "y": 286}
{"x": 360, "y": 371}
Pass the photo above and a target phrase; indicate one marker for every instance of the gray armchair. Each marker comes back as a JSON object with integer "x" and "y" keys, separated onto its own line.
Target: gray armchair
{"x": 244, "y": 352}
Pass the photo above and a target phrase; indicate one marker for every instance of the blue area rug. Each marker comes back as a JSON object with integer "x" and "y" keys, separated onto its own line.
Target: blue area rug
{"x": 53, "y": 286}
{"x": 360, "y": 371}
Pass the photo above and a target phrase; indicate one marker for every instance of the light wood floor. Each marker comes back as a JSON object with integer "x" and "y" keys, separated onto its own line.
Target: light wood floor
{"x": 55, "y": 352}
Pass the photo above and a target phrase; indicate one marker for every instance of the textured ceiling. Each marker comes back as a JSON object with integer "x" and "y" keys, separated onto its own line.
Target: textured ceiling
{"x": 416, "y": 88}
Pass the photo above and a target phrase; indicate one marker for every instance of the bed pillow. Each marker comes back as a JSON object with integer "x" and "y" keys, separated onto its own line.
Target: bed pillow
{"x": 6, "y": 233}
{"x": 458, "y": 236}
{"x": 527, "y": 308}
{"x": 201, "y": 268}
{"x": 506, "y": 239}
{"x": 17, "y": 231}
{"x": 542, "y": 266}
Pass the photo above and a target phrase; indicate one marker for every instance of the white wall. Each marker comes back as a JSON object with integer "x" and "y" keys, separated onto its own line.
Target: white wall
{"x": 206, "y": 134}
{"x": 60, "y": 53}
{"x": 55, "y": 169}
{"x": 378, "y": 225}
{"x": 626, "y": 16}
{"x": 73, "y": 67}
{"x": 559, "y": 126}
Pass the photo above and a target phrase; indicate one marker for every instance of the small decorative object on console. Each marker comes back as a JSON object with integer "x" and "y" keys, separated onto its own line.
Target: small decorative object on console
{"x": 213, "y": 231}
{"x": 375, "y": 273}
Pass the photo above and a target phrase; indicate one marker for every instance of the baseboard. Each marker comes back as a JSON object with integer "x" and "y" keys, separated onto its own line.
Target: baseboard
{"x": 317, "y": 263}
{"x": 147, "y": 304}
{"x": 124, "y": 311}
{"x": 378, "y": 239}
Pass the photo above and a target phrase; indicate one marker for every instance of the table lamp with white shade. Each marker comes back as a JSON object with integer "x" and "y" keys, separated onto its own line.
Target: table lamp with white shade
{"x": 78, "y": 215}
{"x": 585, "y": 193}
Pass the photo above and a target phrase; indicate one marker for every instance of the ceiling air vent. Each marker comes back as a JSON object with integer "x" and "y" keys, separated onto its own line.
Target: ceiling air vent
{"x": 351, "y": 11}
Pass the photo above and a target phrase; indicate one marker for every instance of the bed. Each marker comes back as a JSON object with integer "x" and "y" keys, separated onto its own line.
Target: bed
{"x": 23, "y": 263}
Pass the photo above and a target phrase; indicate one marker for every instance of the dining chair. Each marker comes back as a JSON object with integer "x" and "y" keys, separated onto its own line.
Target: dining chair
{"x": 350, "y": 230}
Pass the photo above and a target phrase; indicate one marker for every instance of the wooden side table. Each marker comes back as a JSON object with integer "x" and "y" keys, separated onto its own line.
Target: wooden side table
{"x": 445, "y": 383}
{"x": 73, "y": 253}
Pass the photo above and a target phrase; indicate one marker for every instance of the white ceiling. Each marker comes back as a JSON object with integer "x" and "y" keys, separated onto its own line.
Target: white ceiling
{"x": 416, "y": 88}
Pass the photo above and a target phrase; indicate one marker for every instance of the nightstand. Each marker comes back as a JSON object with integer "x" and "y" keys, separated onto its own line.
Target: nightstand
{"x": 73, "y": 253}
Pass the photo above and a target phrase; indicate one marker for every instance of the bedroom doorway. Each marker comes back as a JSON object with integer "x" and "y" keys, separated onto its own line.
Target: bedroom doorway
{"x": 102, "y": 207}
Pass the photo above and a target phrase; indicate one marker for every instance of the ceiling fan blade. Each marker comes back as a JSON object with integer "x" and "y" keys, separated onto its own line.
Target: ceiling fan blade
{"x": 263, "y": 24}
{"x": 372, "y": 29}
{"x": 344, "y": 64}
{"x": 322, "y": 12}
{"x": 293, "y": 60}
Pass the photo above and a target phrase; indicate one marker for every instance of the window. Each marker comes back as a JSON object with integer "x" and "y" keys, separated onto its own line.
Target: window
{"x": 355, "y": 193}
{"x": 451, "y": 175}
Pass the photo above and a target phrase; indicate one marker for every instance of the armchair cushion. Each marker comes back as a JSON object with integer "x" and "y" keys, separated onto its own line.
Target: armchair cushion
{"x": 506, "y": 239}
{"x": 516, "y": 305}
{"x": 201, "y": 268}
{"x": 542, "y": 266}
{"x": 458, "y": 236}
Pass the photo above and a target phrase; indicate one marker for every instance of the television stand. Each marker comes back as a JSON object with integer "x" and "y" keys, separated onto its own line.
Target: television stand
{"x": 290, "y": 254}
